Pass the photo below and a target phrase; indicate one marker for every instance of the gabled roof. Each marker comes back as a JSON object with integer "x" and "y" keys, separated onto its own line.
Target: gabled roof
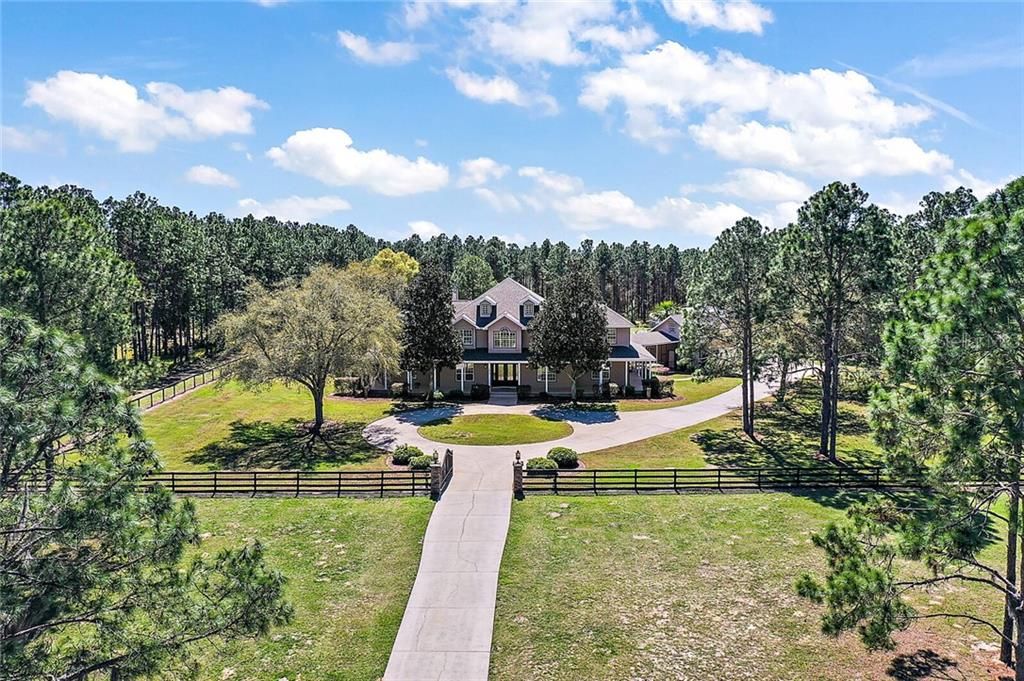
{"x": 652, "y": 338}
{"x": 615, "y": 319}
{"x": 505, "y": 315}
{"x": 677, "y": 318}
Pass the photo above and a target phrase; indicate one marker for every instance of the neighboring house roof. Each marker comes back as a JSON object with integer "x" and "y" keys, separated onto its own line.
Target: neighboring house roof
{"x": 619, "y": 352}
{"x": 633, "y": 351}
{"x": 507, "y": 298}
{"x": 653, "y": 338}
{"x": 677, "y": 318}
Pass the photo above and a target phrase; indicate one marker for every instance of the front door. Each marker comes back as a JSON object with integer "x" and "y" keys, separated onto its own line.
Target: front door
{"x": 504, "y": 374}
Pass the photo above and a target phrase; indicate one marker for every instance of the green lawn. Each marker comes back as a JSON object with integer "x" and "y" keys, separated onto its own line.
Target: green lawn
{"x": 223, "y": 426}
{"x": 695, "y": 587}
{"x": 788, "y": 435}
{"x": 350, "y": 566}
{"x": 686, "y": 391}
{"x": 495, "y": 429}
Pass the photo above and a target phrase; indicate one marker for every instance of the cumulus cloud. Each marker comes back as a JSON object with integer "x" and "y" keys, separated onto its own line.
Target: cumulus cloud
{"x": 295, "y": 208}
{"x": 382, "y": 53}
{"x": 981, "y": 188}
{"x": 208, "y": 175}
{"x": 500, "y": 89}
{"x": 761, "y": 185}
{"x": 424, "y": 229}
{"x": 112, "y": 108}
{"x": 819, "y": 121}
{"x": 327, "y": 155}
{"x": 500, "y": 201}
{"x": 29, "y": 139}
{"x": 551, "y": 181}
{"x": 479, "y": 171}
{"x": 738, "y": 16}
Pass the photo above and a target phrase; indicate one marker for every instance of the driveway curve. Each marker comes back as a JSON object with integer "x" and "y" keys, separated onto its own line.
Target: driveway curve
{"x": 592, "y": 430}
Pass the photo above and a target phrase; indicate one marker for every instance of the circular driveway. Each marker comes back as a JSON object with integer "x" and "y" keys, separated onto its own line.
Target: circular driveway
{"x": 592, "y": 430}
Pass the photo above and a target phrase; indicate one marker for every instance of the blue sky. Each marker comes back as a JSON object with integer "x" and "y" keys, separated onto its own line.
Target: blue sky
{"x": 657, "y": 121}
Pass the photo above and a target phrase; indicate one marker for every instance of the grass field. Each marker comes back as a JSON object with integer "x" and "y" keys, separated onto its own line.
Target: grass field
{"x": 350, "y": 566}
{"x": 495, "y": 429}
{"x": 788, "y": 435}
{"x": 686, "y": 391}
{"x": 696, "y": 587}
{"x": 223, "y": 426}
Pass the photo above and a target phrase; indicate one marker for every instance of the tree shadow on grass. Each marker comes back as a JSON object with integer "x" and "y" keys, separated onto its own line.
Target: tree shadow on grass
{"x": 924, "y": 664}
{"x": 286, "y": 445}
{"x": 590, "y": 414}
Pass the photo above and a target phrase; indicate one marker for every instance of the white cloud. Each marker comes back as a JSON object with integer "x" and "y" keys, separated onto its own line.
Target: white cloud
{"x": 627, "y": 39}
{"x": 500, "y": 89}
{"x": 981, "y": 188}
{"x": 270, "y": 3}
{"x": 552, "y": 181}
{"x": 541, "y": 32}
{"x": 208, "y": 175}
{"x": 601, "y": 210}
{"x": 381, "y": 54}
{"x": 111, "y": 108}
{"x": 424, "y": 229}
{"x": 516, "y": 238}
{"x": 327, "y": 154}
{"x": 479, "y": 171}
{"x": 421, "y": 143}
{"x": 29, "y": 139}
{"x": 1000, "y": 53}
{"x": 295, "y": 208}
{"x": 761, "y": 185}
{"x": 500, "y": 201}
{"x": 739, "y": 16}
{"x": 898, "y": 203}
{"x": 819, "y": 121}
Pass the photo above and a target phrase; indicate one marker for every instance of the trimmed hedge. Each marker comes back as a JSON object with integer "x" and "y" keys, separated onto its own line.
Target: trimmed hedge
{"x": 564, "y": 457}
{"x": 403, "y": 454}
{"x": 421, "y": 463}
{"x": 541, "y": 463}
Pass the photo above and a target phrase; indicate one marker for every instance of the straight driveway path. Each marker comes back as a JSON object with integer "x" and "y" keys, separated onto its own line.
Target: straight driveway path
{"x": 445, "y": 633}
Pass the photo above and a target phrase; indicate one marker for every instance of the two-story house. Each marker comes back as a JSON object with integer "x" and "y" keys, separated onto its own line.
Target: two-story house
{"x": 495, "y": 332}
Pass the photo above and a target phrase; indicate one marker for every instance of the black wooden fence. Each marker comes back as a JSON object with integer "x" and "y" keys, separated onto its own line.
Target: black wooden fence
{"x": 683, "y": 480}
{"x": 383, "y": 483}
{"x": 160, "y": 395}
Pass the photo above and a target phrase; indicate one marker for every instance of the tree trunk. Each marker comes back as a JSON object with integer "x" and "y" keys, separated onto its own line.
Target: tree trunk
{"x": 826, "y": 390}
{"x": 1006, "y": 646}
{"x": 783, "y": 382}
{"x": 750, "y": 382}
{"x": 318, "y": 406}
{"x": 748, "y": 427}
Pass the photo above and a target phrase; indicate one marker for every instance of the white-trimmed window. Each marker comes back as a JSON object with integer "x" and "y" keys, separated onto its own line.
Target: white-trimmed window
{"x": 505, "y": 339}
{"x": 529, "y": 309}
{"x": 602, "y": 376}
{"x": 485, "y": 308}
{"x": 468, "y": 338}
{"x": 464, "y": 372}
{"x": 546, "y": 374}
{"x": 611, "y": 336}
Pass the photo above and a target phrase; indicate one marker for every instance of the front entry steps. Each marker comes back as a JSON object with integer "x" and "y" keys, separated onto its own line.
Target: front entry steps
{"x": 504, "y": 396}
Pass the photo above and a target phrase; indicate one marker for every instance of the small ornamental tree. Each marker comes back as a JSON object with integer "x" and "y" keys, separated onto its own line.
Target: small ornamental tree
{"x": 324, "y": 326}
{"x": 569, "y": 332}
{"x": 429, "y": 341}
{"x": 99, "y": 578}
{"x": 472, "y": 276}
{"x": 951, "y": 409}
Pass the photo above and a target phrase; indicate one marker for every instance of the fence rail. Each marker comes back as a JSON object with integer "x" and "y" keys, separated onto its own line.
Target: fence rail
{"x": 680, "y": 480}
{"x": 161, "y": 395}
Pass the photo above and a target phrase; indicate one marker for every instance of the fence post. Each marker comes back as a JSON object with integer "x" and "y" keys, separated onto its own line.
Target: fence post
{"x": 593, "y": 479}
{"x": 675, "y": 484}
{"x": 635, "y": 490}
{"x": 382, "y": 481}
{"x": 215, "y": 483}
{"x": 435, "y": 477}
{"x": 173, "y": 490}
{"x": 254, "y": 484}
{"x": 719, "y": 476}
{"x": 296, "y": 483}
{"x": 517, "y": 477}
{"x": 339, "y": 486}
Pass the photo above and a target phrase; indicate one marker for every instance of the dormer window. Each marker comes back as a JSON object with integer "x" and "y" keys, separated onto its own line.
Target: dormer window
{"x": 485, "y": 308}
{"x": 529, "y": 309}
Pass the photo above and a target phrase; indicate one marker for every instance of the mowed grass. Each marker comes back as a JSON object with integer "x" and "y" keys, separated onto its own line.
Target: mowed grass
{"x": 495, "y": 429}
{"x": 699, "y": 587}
{"x": 787, "y": 436}
{"x": 687, "y": 391}
{"x": 350, "y": 566}
{"x": 224, "y": 426}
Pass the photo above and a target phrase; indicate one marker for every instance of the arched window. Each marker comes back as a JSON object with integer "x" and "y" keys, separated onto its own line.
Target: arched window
{"x": 504, "y": 338}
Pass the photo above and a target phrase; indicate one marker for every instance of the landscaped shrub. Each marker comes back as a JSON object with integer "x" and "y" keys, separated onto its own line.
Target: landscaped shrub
{"x": 480, "y": 391}
{"x": 404, "y": 453}
{"x": 630, "y": 391}
{"x": 666, "y": 386}
{"x": 456, "y": 394}
{"x": 653, "y": 387}
{"x": 564, "y": 457}
{"x": 346, "y": 385}
{"x": 614, "y": 390}
{"x": 438, "y": 395}
{"x": 545, "y": 396}
{"x": 421, "y": 463}
{"x": 541, "y": 463}
{"x": 398, "y": 389}
{"x": 523, "y": 392}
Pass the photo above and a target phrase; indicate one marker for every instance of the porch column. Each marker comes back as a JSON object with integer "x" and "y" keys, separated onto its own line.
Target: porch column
{"x": 547, "y": 374}
{"x": 488, "y": 374}
{"x": 462, "y": 378}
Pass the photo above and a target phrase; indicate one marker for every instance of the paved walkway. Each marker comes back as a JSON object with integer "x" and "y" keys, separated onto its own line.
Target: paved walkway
{"x": 445, "y": 633}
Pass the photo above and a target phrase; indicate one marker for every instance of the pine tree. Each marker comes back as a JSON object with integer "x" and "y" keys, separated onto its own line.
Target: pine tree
{"x": 429, "y": 341}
